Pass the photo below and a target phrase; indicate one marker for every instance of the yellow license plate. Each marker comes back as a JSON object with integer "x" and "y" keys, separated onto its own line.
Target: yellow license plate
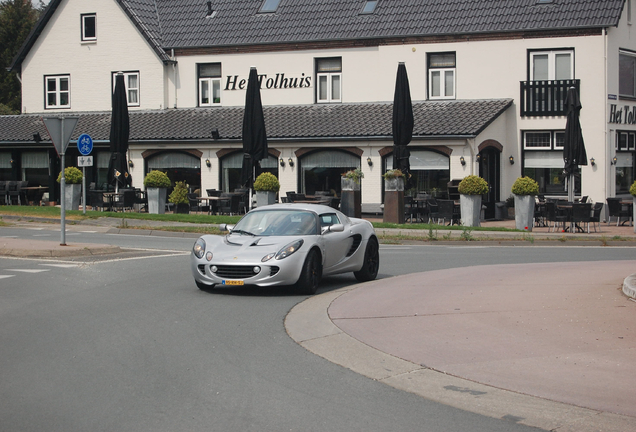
{"x": 232, "y": 282}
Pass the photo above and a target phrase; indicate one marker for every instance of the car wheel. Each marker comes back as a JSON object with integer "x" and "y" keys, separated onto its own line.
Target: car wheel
{"x": 203, "y": 287}
{"x": 371, "y": 265}
{"x": 311, "y": 274}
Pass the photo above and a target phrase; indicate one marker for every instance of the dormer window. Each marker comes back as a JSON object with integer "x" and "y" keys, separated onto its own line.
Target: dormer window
{"x": 89, "y": 27}
{"x": 369, "y": 6}
{"x": 269, "y": 6}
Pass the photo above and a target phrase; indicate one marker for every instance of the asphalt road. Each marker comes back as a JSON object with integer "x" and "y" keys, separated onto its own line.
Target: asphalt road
{"x": 129, "y": 343}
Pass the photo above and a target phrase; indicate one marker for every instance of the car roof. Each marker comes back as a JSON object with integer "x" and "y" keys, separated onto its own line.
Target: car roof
{"x": 316, "y": 208}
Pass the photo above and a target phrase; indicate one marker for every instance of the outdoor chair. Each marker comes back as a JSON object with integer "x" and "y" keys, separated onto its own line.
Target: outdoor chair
{"x": 141, "y": 200}
{"x": 13, "y": 193}
{"x": 596, "y": 216}
{"x": 581, "y": 213}
{"x": 3, "y": 192}
{"x": 433, "y": 210}
{"x": 124, "y": 200}
{"x": 409, "y": 209}
{"x": 244, "y": 199}
{"x": 447, "y": 211}
{"x": 195, "y": 204}
{"x": 229, "y": 203}
{"x": 98, "y": 200}
{"x": 617, "y": 210}
{"x": 554, "y": 216}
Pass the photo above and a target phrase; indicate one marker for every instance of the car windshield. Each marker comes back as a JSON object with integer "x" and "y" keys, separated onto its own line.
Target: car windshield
{"x": 277, "y": 223}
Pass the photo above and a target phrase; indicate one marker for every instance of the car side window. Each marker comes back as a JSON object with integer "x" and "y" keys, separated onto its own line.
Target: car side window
{"x": 328, "y": 219}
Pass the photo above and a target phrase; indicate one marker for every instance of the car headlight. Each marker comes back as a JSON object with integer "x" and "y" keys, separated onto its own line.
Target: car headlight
{"x": 199, "y": 248}
{"x": 289, "y": 249}
{"x": 268, "y": 257}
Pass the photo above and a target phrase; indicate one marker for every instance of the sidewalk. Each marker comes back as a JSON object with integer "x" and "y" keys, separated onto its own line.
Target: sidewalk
{"x": 560, "y": 359}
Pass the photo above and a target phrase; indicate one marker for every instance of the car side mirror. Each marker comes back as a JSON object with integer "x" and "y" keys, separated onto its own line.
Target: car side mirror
{"x": 226, "y": 227}
{"x": 333, "y": 228}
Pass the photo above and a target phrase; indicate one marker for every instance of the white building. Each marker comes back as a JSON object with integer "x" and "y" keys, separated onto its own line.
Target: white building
{"x": 487, "y": 80}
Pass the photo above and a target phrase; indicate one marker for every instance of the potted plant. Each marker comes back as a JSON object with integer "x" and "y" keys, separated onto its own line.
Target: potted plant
{"x": 524, "y": 189}
{"x": 351, "y": 197}
{"x": 179, "y": 197}
{"x": 470, "y": 189}
{"x": 157, "y": 184}
{"x": 393, "y": 180}
{"x": 73, "y": 187}
{"x": 266, "y": 186}
{"x": 351, "y": 179}
{"x": 394, "y": 196}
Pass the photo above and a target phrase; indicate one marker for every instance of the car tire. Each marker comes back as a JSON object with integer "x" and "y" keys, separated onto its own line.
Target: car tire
{"x": 310, "y": 275}
{"x": 204, "y": 287}
{"x": 371, "y": 264}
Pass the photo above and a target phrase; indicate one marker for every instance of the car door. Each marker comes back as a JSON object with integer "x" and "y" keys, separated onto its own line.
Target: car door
{"x": 336, "y": 244}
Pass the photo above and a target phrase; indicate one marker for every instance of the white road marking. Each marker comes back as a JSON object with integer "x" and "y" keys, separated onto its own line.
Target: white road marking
{"x": 61, "y": 265}
{"x": 29, "y": 270}
{"x": 6, "y": 276}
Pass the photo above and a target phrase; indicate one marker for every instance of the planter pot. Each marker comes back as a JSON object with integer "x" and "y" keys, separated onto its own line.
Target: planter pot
{"x": 264, "y": 198}
{"x": 72, "y": 196}
{"x": 524, "y": 212}
{"x": 395, "y": 184}
{"x": 156, "y": 200}
{"x": 349, "y": 185}
{"x": 634, "y": 214}
{"x": 351, "y": 198}
{"x": 394, "y": 200}
{"x": 470, "y": 207}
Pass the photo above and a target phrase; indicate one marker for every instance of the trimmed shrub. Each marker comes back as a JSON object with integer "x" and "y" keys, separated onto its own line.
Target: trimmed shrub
{"x": 157, "y": 179}
{"x": 525, "y": 186}
{"x": 72, "y": 175}
{"x": 473, "y": 185}
{"x": 266, "y": 182}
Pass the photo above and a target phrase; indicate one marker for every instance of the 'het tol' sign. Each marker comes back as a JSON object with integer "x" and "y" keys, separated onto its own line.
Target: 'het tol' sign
{"x": 626, "y": 115}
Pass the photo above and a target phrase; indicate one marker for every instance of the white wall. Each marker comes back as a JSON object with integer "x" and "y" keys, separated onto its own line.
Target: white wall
{"x": 119, "y": 46}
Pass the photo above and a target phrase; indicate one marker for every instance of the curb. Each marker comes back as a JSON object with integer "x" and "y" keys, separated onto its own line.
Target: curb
{"x": 629, "y": 286}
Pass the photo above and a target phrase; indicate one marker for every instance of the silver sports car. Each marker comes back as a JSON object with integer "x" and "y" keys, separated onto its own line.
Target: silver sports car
{"x": 287, "y": 244}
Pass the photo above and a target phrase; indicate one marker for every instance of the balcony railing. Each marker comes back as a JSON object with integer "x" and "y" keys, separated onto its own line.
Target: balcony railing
{"x": 545, "y": 98}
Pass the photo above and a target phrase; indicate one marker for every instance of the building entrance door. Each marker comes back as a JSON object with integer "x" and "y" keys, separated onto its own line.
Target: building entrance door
{"x": 489, "y": 170}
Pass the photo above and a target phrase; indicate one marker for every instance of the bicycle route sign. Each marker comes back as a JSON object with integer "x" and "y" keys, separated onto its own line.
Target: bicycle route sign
{"x": 85, "y": 144}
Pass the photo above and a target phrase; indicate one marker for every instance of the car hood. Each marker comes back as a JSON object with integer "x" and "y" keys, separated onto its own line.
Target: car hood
{"x": 245, "y": 248}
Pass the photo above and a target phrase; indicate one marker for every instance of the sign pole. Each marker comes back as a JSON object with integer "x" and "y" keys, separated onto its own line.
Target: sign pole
{"x": 62, "y": 192}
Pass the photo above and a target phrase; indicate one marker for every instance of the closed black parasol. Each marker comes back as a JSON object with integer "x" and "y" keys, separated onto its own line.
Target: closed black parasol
{"x": 574, "y": 154}
{"x": 119, "y": 132}
{"x": 402, "y": 123}
{"x": 254, "y": 135}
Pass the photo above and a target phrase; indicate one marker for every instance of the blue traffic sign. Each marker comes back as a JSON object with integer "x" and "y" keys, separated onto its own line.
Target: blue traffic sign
{"x": 85, "y": 144}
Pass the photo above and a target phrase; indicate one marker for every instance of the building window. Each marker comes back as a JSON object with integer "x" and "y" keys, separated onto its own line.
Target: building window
{"x": 543, "y": 161}
{"x": 627, "y": 74}
{"x": 269, "y": 6}
{"x": 89, "y": 27}
{"x": 369, "y": 6}
{"x": 328, "y": 77}
{"x": 625, "y": 151}
{"x": 131, "y": 79}
{"x": 209, "y": 84}
{"x": 58, "y": 91}
{"x": 441, "y": 76}
{"x": 551, "y": 65}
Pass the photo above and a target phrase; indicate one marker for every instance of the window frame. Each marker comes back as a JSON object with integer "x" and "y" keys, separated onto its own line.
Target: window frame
{"x": 551, "y": 53}
{"x": 58, "y": 92}
{"x": 127, "y": 74}
{"x": 553, "y": 140}
{"x": 442, "y": 70}
{"x": 330, "y": 76}
{"x": 83, "y": 18}
{"x": 274, "y": 4}
{"x": 369, "y": 7}
{"x": 622, "y": 53}
{"x": 210, "y": 81}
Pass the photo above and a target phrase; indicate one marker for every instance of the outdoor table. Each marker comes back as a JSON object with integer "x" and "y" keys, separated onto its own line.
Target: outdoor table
{"x": 212, "y": 202}
{"x": 34, "y": 193}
